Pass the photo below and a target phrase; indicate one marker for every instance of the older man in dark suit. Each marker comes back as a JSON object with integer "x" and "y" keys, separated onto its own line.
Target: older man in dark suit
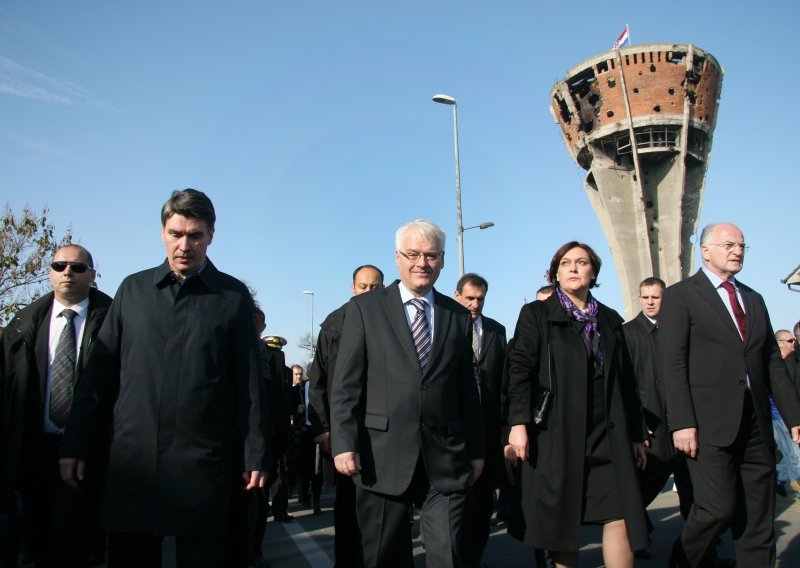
{"x": 44, "y": 351}
{"x": 720, "y": 363}
{"x": 489, "y": 351}
{"x": 405, "y": 414}
{"x": 176, "y": 362}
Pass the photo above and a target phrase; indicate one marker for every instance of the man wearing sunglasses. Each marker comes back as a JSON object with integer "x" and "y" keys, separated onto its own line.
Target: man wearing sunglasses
{"x": 44, "y": 350}
{"x": 176, "y": 366}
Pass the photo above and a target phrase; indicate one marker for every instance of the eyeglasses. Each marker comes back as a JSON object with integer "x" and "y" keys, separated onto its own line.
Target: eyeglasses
{"x": 413, "y": 256}
{"x": 790, "y": 340}
{"x": 77, "y": 267}
{"x": 730, "y": 246}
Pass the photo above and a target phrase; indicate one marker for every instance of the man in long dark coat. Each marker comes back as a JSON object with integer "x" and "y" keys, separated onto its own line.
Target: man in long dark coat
{"x": 177, "y": 362}
{"x": 641, "y": 335}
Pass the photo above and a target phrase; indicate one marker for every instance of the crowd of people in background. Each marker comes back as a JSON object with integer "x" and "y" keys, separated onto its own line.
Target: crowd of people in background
{"x": 167, "y": 413}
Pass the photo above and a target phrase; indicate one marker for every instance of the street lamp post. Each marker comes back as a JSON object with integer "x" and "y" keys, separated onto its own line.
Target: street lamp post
{"x": 448, "y": 100}
{"x": 311, "y": 336}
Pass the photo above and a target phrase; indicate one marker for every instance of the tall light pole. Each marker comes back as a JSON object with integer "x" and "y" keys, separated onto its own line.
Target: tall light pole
{"x": 448, "y": 100}
{"x": 311, "y": 336}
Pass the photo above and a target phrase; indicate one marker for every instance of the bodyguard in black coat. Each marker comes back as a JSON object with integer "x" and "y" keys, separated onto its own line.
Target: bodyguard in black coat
{"x": 59, "y": 521}
{"x": 347, "y": 536}
{"x": 489, "y": 350}
{"x": 720, "y": 363}
{"x": 177, "y": 361}
{"x": 641, "y": 335}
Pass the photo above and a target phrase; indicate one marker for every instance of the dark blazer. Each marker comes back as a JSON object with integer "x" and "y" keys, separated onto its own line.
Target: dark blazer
{"x": 553, "y": 476}
{"x": 641, "y": 337}
{"x": 704, "y": 363}
{"x": 389, "y": 411}
{"x": 490, "y": 366}
{"x": 23, "y": 368}
{"x": 323, "y": 368}
{"x": 179, "y": 366}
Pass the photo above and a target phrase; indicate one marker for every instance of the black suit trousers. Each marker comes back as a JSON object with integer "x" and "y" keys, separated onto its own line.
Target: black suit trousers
{"x": 386, "y": 530}
{"x": 347, "y": 535}
{"x": 477, "y": 519}
{"x": 733, "y": 486}
{"x": 58, "y": 522}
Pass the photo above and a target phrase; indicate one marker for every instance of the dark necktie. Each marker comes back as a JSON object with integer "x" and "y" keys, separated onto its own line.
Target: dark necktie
{"x": 476, "y": 352}
{"x": 738, "y": 312}
{"x": 62, "y": 372}
{"x": 421, "y": 333}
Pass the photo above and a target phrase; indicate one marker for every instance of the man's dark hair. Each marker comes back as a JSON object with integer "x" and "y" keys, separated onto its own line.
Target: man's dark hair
{"x": 796, "y": 329}
{"x": 473, "y": 280}
{"x": 652, "y": 281}
{"x": 189, "y": 203}
{"x": 546, "y": 289}
{"x": 362, "y": 267}
{"x": 594, "y": 260}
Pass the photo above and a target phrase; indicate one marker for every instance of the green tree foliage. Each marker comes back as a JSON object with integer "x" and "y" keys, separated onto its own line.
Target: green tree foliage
{"x": 28, "y": 243}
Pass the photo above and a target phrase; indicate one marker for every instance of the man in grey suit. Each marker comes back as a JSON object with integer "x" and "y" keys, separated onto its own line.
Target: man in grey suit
{"x": 406, "y": 419}
{"x": 720, "y": 363}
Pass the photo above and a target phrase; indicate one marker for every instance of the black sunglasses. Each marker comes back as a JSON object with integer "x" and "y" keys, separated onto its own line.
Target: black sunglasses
{"x": 77, "y": 267}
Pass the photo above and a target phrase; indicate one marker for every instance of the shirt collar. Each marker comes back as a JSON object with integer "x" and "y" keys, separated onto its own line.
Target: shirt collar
{"x": 716, "y": 281}
{"x": 208, "y": 274}
{"x": 406, "y": 296}
{"x": 80, "y": 309}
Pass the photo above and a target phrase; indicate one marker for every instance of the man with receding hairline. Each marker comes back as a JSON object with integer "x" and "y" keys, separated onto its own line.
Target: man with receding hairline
{"x": 720, "y": 363}
{"x": 44, "y": 351}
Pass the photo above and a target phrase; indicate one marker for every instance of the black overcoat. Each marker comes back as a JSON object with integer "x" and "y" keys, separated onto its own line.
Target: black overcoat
{"x": 640, "y": 335}
{"x": 553, "y": 475}
{"x": 23, "y": 380}
{"x": 179, "y": 365}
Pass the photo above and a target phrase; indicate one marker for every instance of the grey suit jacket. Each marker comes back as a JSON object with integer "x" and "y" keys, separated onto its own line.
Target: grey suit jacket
{"x": 392, "y": 413}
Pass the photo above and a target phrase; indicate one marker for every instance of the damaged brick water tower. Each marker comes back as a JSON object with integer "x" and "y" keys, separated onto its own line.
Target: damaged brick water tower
{"x": 646, "y": 195}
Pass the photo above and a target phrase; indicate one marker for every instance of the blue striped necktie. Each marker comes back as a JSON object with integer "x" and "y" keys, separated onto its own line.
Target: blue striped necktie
{"x": 421, "y": 333}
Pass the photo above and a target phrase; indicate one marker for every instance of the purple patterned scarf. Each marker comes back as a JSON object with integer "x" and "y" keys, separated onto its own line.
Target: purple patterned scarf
{"x": 589, "y": 332}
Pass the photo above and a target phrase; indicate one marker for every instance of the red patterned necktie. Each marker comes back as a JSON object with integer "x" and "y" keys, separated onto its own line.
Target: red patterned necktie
{"x": 738, "y": 312}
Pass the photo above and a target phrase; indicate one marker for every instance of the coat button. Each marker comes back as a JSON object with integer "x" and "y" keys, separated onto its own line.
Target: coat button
{"x": 610, "y": 425}
{"x": 424, "y": 387}
{"x": 741, "y": 381}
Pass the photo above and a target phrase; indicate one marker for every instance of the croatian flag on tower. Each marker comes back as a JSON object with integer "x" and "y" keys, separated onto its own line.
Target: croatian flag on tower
{"x": 623, "y": 39}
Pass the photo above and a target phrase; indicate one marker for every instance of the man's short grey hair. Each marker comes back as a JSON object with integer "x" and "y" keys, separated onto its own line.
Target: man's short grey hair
{"x": 782, "y": 332}
{"x": 423, "y": 228}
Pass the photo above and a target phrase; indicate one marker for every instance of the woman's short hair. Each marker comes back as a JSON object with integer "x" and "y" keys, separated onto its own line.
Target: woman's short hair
{"x": 594, "y": 260}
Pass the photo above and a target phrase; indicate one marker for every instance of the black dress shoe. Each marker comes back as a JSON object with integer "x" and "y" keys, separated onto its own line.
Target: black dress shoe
{"x": 284, "y": 518}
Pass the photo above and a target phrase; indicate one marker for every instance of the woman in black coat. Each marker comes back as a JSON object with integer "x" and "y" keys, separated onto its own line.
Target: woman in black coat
{"x": 580, "y": 467}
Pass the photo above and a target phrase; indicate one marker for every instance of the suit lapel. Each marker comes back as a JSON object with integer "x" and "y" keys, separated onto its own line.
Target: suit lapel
{"x": 41, "y": 351}
{"x": 706, "y": 290}
{"x": 749, "y": 311}
{"x": 395, "y": 313}
{"x": 442, "y": 323}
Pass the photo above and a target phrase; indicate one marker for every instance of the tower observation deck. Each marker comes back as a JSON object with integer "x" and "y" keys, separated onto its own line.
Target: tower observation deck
{"x": 646, "y": 193}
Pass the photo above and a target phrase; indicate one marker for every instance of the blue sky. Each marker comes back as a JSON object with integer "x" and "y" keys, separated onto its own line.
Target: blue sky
{"x": 311, "y": 127}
